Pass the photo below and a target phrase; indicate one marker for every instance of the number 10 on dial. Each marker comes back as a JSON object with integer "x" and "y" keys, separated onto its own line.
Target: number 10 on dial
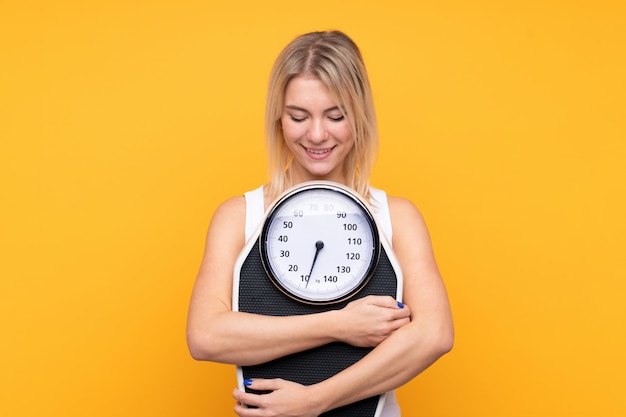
{"x": 320, "y": 243}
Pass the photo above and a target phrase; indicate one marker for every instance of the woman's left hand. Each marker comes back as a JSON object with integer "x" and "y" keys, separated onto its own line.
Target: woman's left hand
{"x": 286, "y": 399}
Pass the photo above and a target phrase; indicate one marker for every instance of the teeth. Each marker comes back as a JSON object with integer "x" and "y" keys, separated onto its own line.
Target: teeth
{"x": 318, "y": 151}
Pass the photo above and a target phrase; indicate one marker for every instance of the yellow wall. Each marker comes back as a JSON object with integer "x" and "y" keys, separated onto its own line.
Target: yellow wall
{"x": 124, "y": 123}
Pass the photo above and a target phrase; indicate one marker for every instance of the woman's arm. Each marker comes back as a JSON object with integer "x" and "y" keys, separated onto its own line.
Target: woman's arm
{"x": 416, "y": 346}
{"x": 400, "y": 357}
{"x": 215, "y": 333}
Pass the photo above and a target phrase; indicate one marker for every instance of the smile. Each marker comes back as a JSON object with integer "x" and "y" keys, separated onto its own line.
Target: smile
{"x": 318, "y": 151}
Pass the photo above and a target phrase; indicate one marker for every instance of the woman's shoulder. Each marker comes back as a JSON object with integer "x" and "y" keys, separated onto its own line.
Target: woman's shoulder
{"x": 401, "y": 204}
{"x": 234, "y": 203}
{"x": 230, "y": 213}
{"x": 235, "y": 207}
{"x": 404, "y": 212}
{"x": 237, "y": 203}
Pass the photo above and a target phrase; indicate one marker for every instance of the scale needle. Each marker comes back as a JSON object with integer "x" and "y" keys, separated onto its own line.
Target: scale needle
{"x": 318, "y": 247}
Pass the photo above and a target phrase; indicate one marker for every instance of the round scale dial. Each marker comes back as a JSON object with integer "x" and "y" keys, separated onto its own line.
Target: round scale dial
{"x": 319, "y": 243}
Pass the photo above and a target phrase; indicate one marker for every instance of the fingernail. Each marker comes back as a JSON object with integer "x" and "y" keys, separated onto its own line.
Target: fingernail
{"x": 400, "y": 304}
{"x": 247, "y": 382}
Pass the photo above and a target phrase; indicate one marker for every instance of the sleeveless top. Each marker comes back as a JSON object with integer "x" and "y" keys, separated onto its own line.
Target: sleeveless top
{"x": 255, "y": 214}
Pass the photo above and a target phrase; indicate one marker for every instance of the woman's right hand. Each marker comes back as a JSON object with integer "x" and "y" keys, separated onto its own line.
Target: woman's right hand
{"x": 368, "y": 321}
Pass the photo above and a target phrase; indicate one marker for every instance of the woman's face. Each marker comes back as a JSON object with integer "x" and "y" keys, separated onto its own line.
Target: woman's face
{"x": 316, "y": 131}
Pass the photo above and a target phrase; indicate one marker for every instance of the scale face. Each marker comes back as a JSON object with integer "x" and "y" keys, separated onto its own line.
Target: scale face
{"x": 318, "y": 249}
{"x": 319, "y": 244}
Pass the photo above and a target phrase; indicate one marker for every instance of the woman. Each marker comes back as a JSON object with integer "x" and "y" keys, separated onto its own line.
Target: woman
{"x": 320, "y": 124}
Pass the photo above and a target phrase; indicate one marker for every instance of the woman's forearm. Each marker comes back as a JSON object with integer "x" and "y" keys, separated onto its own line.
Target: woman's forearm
{"x": 397, "y": 360}
{"x": 248, "y": 339}
{"x": 220, "y": 335}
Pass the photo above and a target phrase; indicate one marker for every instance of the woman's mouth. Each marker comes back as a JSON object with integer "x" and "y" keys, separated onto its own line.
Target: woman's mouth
{"x": 318, "y": 153}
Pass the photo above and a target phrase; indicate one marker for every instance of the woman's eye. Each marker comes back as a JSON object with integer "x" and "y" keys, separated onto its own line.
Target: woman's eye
{"x": 297, "y": 119}
{"x": 336, "y": 118}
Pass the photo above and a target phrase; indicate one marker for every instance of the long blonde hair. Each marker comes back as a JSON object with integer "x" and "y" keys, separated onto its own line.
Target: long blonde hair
{"x": 333, "y": 58}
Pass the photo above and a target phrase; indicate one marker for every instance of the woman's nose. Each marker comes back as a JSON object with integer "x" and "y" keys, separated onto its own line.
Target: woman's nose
{"x": 317, "y": 131}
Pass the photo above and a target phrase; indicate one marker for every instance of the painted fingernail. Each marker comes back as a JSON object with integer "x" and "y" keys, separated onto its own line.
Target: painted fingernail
{"x": 247, "y": 382}
{"x": 400, "y": 304}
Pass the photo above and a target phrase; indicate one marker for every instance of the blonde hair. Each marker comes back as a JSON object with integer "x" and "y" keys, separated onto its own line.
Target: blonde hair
{"x": 333, "y": 58}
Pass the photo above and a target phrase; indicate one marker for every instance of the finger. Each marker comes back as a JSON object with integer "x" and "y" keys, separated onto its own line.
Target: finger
{"x": 402, "y": 314}
{"x": 242, "y": 397}
{"x": 387, "y": 301}
{"x": 243, "y": 410}
{"x": 264, "y": 384}
{"x": 401, "y": 322}
{"x": 244, "y": 402}
{"x": 398, "y": 314}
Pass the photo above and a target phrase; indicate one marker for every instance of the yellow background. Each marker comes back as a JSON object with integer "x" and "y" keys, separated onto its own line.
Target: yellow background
{"x": 124, "y": 123}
